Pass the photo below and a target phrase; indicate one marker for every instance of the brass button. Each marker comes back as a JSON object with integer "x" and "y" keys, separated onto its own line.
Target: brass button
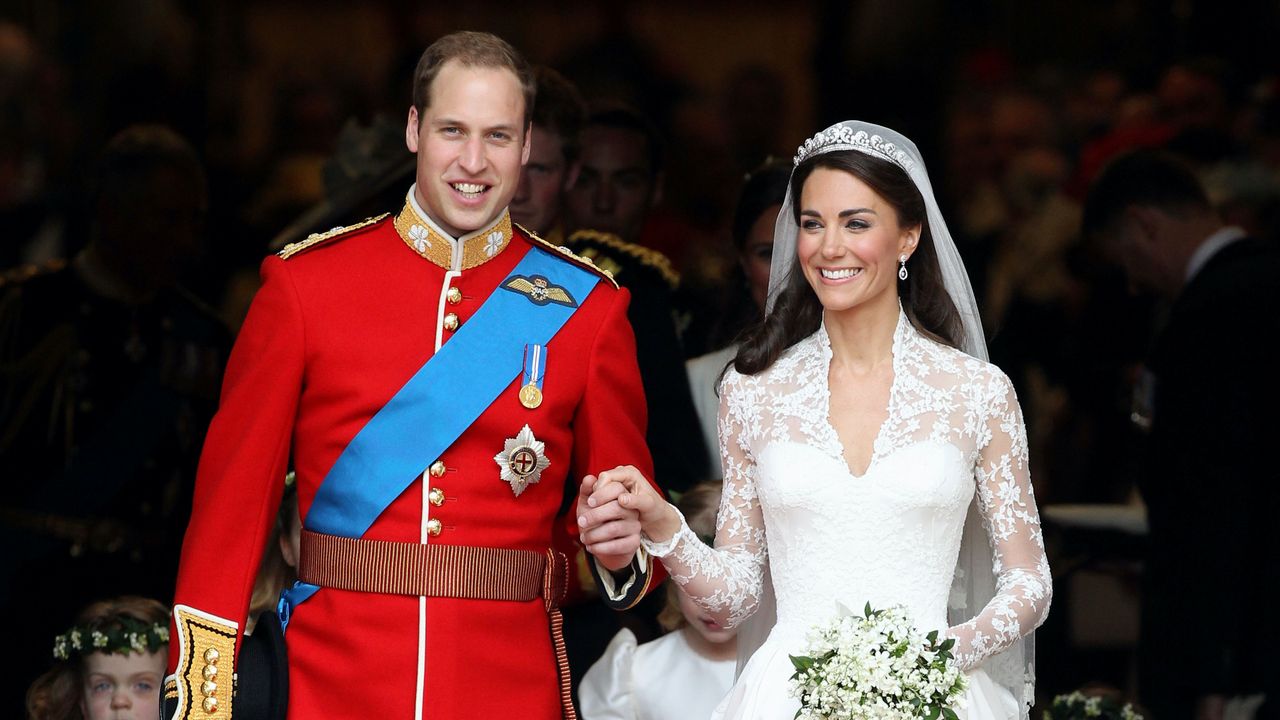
{"x": 437, "y": 469}
{"x": 211, "y": 656}
{"x": 436, "y": 496}
{"x": 210, "y": 705}
{"x": 450, "y": 322}
{"x": 210, "y": 672}
{"x": 434, "y": 527}
{"x": 208, "y": 688}
{"x": 454, "y": 295}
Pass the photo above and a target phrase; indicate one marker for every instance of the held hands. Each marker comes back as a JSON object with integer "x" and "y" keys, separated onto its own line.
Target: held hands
{"x": 614, "y": 508}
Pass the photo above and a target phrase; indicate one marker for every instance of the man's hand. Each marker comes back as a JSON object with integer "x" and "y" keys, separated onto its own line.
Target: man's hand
{"x": 610, "y": 532}
{"x": 626, "y": 488}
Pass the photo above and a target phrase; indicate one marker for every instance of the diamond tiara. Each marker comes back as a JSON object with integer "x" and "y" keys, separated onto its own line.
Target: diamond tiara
{"x": 846, "y": 138}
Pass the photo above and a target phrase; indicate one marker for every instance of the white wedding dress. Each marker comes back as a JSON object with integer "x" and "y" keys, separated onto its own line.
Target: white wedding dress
{"x": 888, "y": 537}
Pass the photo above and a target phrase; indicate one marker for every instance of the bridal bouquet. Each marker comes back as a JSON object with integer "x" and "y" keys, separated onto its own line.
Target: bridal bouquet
{"x": 876, "y": 666}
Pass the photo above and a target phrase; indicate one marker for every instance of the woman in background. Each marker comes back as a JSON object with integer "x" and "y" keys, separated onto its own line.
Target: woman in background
{"x": 754, "y": 218}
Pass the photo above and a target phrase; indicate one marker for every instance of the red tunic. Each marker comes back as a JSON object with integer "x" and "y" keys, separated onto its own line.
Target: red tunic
{"x": 334, "y": 332}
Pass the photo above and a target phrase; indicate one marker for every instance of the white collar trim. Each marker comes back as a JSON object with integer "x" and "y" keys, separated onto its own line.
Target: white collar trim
{"x": 435, "y": 227}
{"x": 1211, "y": 246}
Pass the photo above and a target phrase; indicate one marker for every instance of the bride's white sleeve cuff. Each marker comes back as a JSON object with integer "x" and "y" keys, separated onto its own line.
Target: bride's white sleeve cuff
{"x": 663, "y": 549}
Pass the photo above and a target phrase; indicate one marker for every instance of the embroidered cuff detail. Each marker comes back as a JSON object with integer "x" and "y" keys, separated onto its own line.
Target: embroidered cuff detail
{"x": 663, "y": 549}
{"x": 206, "y": 665}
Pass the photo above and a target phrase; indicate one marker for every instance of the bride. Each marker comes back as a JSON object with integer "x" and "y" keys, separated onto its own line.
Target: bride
{"x": 870, "y": 453}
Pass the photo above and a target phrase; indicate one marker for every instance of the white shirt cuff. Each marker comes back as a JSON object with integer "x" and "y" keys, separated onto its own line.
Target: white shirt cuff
{"x": 610, "y": 588}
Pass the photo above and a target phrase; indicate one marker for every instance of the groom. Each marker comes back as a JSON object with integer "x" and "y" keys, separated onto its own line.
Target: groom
{"x": 435, "y": 378}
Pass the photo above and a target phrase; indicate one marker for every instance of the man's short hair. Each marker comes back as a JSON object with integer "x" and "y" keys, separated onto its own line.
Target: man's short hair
{"x": 624, "y": 117}
{"x": 135, "y": 154}
{"x": 1148, "y": 178}
{"x": 560, "y": 110}
{"x": 472, "y": 49}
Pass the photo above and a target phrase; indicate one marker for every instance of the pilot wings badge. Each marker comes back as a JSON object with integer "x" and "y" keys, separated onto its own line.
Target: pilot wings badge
{"x": 522, "y": 460}
{"x": 539, "y": 290}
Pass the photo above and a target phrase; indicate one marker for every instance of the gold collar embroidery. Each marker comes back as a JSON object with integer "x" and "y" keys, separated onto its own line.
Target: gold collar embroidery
{"x": 477, "y": 248}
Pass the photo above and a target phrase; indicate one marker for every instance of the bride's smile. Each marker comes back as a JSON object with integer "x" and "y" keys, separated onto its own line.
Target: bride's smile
{"x": 850, "y": 242}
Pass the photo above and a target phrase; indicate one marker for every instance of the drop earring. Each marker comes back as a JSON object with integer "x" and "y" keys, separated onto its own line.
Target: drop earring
{"x": 902, "y": 268}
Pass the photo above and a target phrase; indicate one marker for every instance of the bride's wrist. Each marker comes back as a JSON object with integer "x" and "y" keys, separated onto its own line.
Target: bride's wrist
{"x": 664, "y": 525}
{"x": 659, "y": 535}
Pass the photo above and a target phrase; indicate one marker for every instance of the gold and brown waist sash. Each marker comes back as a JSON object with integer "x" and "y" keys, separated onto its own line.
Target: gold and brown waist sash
{"x": 454, "y": 571}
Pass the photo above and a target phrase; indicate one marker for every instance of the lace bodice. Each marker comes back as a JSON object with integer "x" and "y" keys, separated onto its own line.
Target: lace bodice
{"x": 889, "y": 536}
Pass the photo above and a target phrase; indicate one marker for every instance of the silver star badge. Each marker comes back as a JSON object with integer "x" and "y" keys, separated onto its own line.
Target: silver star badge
{"x": 522, "y": 460}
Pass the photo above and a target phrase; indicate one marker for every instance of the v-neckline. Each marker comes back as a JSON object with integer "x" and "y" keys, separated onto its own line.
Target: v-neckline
{"x": 837, "y": 447}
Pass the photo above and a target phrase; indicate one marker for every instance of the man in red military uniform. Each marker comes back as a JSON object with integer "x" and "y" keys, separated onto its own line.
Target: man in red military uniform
{"x": 425, "y": 576}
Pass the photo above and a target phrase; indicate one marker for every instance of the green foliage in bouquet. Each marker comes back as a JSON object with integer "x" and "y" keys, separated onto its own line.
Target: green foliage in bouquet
{"x": 876, "y": 666}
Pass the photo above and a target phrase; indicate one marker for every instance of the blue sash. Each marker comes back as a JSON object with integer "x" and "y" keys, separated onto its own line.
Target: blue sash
{"x": 439, "y": 403}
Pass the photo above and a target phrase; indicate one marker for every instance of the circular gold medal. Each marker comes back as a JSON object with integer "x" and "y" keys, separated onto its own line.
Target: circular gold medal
{"x": 530, "y": 396}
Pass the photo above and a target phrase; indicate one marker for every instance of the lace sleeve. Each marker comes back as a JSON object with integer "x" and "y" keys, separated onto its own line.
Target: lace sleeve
{"x": 725, "y": 581}
{"x": 1012, "y": 523}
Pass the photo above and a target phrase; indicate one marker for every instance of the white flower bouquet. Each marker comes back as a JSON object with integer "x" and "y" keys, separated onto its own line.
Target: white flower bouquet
{"x": 876, "y": 666}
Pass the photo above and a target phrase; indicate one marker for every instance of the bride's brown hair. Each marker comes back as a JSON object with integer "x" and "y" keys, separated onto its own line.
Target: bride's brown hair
{"x": 797, "y": 312}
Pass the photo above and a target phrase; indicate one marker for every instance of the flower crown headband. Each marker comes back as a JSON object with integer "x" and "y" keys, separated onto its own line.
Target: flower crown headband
{"x": 119, "y": 635}
{"x": 842, "y": 137}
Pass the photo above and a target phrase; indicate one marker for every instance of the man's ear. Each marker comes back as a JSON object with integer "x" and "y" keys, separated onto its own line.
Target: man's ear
{"x": 411, "y": 132}
{"x": 656, "y": 197}
{"x": 528, "y": 143}
{"x": 571, "y": 175}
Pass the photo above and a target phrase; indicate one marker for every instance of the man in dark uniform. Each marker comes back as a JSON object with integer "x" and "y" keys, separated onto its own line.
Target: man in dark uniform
{"x": 619, "y": 180}
{"x": 1209, "y": 627}
{"x": 108, "y": 377}
{"x": 553, "y": 164}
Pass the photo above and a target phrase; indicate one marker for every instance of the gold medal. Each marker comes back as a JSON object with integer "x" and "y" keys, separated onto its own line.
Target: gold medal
{"x": 530, "y": 396}
{"x": 535, "y": 361}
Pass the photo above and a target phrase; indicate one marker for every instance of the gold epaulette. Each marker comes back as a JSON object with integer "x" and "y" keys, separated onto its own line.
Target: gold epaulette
{"x": 569, "y": 255}
{"x": 314, "y": 239}
{"x": 23, "y": 273}
{"x": 646, "y": 256}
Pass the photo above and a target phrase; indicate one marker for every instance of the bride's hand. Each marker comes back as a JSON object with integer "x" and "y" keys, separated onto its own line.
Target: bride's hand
{"x": 658, "y": 520}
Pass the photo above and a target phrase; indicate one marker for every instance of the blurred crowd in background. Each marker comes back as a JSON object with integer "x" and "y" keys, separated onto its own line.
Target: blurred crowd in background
{"x": 279, "y": 113}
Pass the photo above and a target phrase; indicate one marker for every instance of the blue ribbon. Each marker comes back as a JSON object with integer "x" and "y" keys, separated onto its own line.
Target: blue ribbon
{"x": 535, "y": 365}
{"x": 438, "y": 404}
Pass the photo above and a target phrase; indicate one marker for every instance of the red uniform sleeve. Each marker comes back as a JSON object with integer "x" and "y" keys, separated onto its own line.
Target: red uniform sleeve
{"x": 237, "y": 492}
{"x": 609, "y": 428}
{"x": 610, "y": 423}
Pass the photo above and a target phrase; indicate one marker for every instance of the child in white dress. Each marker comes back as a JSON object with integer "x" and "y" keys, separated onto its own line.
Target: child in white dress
{"x": 682, "y": 674}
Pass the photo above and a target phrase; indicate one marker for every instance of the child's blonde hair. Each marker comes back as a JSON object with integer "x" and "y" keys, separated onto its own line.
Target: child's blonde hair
{"x": 699, "y": 506}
